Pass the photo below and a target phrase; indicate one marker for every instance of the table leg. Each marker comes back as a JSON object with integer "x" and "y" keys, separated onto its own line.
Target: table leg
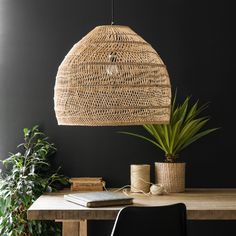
{"x": 74, "y": 228}
{"x": 83, "y": 228}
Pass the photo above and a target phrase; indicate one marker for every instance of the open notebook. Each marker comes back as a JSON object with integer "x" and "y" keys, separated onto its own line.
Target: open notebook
{"x": 99, "y": 199}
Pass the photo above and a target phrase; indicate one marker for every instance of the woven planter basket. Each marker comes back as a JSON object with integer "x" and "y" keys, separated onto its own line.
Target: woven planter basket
{"x": 171, "y": 176}
{"x": 112, "y": 77}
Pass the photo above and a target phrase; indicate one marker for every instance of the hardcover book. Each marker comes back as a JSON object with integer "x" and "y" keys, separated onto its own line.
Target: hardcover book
{"x": 86, "y": 188}
{"x": 99, "y": 199}
{"x": 86, "y": 179}
{"x": 87, "y": 184}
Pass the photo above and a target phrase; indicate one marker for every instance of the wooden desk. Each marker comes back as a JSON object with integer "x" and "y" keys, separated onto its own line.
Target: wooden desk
{"x": 202, "y": 204}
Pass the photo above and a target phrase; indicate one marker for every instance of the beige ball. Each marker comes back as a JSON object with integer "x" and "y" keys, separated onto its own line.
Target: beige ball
{"x": 157, "y": 189}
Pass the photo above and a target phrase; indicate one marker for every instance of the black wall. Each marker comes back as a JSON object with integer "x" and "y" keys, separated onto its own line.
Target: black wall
{"x": 194, "y": 38}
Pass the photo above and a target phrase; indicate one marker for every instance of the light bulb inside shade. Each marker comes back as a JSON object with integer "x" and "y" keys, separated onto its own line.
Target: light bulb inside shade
{"x": 112, "y": 68}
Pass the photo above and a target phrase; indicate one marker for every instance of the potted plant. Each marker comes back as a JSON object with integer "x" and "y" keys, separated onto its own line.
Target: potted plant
{"x": 184, "y": 128}
{"x": 26, "y": 177}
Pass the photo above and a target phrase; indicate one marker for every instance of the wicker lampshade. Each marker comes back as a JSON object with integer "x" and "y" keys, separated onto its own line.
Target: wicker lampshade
{"x": 112, "y": 77}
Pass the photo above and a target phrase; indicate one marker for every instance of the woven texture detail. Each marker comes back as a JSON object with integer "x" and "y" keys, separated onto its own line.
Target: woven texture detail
{"x": 112, "y": 77}
{"x": 171, "y": 176}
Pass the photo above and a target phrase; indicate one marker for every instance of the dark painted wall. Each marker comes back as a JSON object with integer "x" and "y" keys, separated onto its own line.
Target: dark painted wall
{"x": 194, "y": 38}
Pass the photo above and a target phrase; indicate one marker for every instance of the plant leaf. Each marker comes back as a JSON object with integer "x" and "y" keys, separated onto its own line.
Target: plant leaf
{"x": 143, "y": 137}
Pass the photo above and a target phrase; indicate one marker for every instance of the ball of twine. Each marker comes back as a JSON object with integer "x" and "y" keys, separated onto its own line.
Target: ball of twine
{"x": 140, "y": 178}
{"x": 157, "y": 189}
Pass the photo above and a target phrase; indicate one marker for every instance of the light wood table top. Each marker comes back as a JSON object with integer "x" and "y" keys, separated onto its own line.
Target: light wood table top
{"x": 202, "y": 204}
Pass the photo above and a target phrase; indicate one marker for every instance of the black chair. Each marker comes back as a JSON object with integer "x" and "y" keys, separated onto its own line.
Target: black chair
{"x": 167, "y": 220}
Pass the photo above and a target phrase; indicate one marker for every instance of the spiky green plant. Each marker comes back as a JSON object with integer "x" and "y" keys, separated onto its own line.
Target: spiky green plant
{"x": 185, "y": 127}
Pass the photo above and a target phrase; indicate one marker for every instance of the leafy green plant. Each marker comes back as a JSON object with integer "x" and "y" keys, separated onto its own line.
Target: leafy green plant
{"x": 27, "y": 176}
{"x": 185, "y": 127}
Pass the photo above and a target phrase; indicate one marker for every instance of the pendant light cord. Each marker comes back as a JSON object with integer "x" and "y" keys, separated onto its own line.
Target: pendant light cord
{"x": 112, "y": 12}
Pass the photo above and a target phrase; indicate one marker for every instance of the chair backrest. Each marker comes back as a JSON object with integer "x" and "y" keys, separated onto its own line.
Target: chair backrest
{"x": 167, "y": 220}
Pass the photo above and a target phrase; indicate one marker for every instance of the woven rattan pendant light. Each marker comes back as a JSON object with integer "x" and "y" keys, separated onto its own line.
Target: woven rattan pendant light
{"x": 112, "y": 77}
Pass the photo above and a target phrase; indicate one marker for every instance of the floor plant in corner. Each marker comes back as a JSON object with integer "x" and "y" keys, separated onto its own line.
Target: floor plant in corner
{"x": 185, "y": 127}
{"x": 27, "y": 176}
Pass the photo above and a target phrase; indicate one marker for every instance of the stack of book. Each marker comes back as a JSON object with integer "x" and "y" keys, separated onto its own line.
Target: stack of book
{"x": 87, "y": 184}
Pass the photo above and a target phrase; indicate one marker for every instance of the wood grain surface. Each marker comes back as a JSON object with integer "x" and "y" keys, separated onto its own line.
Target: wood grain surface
{"x": 202, "y": 204}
